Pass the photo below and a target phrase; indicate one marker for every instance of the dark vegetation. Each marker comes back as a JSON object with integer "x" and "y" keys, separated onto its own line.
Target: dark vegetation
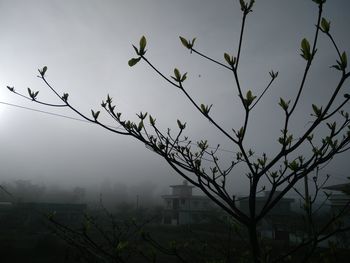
{"x": 30, "y": 232}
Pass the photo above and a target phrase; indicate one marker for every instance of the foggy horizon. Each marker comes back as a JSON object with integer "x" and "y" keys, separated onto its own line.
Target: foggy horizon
{"x": 86, "y": 46}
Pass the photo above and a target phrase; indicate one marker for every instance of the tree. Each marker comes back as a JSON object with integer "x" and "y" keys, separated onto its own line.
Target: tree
{"x": 191, "y": 162}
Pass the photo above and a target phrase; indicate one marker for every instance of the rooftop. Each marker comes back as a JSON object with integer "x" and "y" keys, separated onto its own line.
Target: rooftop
{"x": 184, "y": 184}
{"x": 339, "y": 187}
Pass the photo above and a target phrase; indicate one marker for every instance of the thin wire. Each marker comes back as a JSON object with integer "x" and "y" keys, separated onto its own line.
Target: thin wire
{"x": 41, "y": 111}
{"x": 71, "y": 118}
{"x": 77, "y": 119}
{"x": 82, "y": 120}
{"x": 51, "y": 113}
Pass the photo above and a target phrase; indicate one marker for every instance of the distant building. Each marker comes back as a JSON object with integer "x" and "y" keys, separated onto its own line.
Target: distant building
{"x": 340, "y": 203}
{"x": 182, "y": 207}
{"x": 278, "y": 222}
{"x": 283, "y": 207}
{"x": 340, "y": 196}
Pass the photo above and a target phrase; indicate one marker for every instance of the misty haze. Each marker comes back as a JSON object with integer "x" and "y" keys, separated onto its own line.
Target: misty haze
{"x": 174, "y": 131}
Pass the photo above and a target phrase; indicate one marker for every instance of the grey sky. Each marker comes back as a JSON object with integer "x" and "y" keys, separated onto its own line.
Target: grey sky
{"x": 86, "y": 45}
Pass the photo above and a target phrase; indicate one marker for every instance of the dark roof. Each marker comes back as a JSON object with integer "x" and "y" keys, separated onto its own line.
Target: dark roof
{"x": 259, "y": 199}
{"x": 339, "y": 187}
{"x": 265, "y": 197}
{"x": 283, "y": 199}
{"x": 192, "y": 197}
{"x": 182, "y": 185}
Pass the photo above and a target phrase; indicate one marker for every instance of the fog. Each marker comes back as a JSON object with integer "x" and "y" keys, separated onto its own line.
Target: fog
{"x": 86, "y": 46}
{"x": 108, "y": 194}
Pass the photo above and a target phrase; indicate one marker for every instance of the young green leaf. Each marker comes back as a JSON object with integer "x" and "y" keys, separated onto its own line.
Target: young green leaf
{"x": 188, "y": 44}
{"x": 192, "y": 43}
{"x": 344, "y": 60}
{"x": 185, "y": 42}
{"x": 43, "y": 71}
{"x": 294, "y": 166}
{"x": 177, "y": 74}
{"x": 273, "y": 74}
{"x": 111, "y": 108}
{"x": 152, "y": 121}
{"x": 184, "y": 77}
{"x": 317, "y": 110}
{"x": 109, "y": 99}
{"x": 65, "y": 97}
{"x": 240, "y": 133}
{"x": 136, "y": 50}
{"x": 203, "y": 145}
{"x": 289, "y": 139}
{"x": 332, "y": 126}
{"x": 142, "y": 115}
{"x": 143, "y": 43}
{"x": 310, "y": 137}
{"x": 161, "y": 146}
{"x": 274, "y": 175}
{"x": 230, "y": 59}
{"x": 197, "y": 163}
{"x": 140, "y": 126}
{"x": 95, "y": 114}
{"x": 337, "y": 67}
{"x": 243, "y": 5}
{"x": 181, "y": 126}
{"x": 249, "y": 98}
{"x": 11, "y": 88}
{"x": 227, "y": 58}
{"x": 325, "y": 25}
{"x": 284, "y": 104}
{"x": 132, "y": 62}
{"x": 205, "y": 109}
{"x": 281, "y": 140}
{"x": 305, "y": 49}
{"x": 128, "y": 125}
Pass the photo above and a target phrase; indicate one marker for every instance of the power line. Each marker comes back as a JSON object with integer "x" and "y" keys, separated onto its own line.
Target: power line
{"x": 53, "y": 114}
{"x": 82, "y": 120}
{"x": 77, "y": 119}
{"x": 45, "y": 112}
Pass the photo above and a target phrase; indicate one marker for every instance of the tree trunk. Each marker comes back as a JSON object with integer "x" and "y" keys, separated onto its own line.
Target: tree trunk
{"x": 253, "y": 239}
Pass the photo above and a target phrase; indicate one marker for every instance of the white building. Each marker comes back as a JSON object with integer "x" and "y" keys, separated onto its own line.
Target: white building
{"x": 182, "y": 207}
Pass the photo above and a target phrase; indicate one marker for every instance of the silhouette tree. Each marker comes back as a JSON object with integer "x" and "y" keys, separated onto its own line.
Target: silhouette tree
{"x": 325, "y": 136}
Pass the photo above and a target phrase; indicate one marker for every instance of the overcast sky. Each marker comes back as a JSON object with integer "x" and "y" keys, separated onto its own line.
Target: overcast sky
{"x": 86, "y": 45}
